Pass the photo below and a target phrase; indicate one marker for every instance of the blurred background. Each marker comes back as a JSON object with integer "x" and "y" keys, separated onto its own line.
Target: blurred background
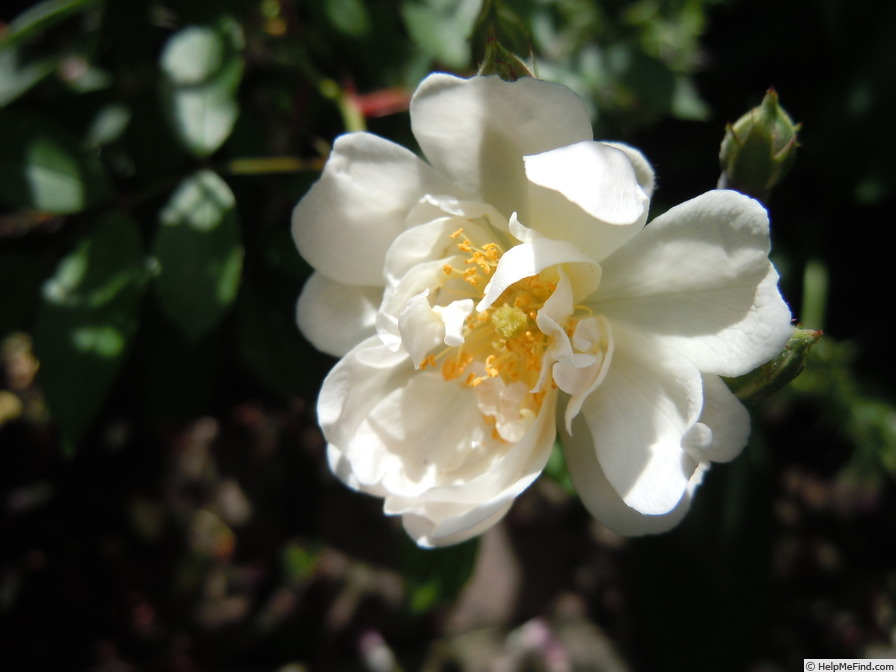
{"x": 164, "y": 498}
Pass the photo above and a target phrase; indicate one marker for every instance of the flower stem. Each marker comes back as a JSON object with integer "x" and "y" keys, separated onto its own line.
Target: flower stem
{"x": 267, "y": 164}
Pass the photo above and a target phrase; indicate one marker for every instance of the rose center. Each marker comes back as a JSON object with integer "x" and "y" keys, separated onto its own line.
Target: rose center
{"x": 503, "y": 341}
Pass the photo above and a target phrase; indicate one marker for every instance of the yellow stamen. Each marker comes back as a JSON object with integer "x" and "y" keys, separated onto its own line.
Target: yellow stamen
{"x": 503, "y": 341}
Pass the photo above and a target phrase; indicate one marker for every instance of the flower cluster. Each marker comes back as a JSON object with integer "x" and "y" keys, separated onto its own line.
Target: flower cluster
{"x": 506, "y": 289}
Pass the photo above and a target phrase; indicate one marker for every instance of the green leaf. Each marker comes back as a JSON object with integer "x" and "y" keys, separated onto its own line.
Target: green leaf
{"x": 44, "y": 168}
{"x": 197, "y": 254}
{"x": 42, "y": 17}
{"x": 18, "y": 74}
{"x": 202, "y": 68}
{"x": 441, "y": 28}
{"x": 109, "y": 124}
{"x": 436, "y": 575}
{"x": 348, "y": 16}
{"x": 86, "y": 321}
{"x": 557, "y": 470}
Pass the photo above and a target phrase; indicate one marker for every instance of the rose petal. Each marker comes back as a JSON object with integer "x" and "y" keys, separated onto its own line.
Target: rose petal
{"x": 584, "y": 372}
{"x": 601, "y": 498}
{"x": 643, "y": 169}
{"x": 639, "y": 416}
{"x": 432, "y": 207}
{"x": 700, "y": 277}
{"x": 336, "y": 317}
{"x": 457, "y": 528}
{"x": 527, "y": 259}
{"x": 426, "y": 243}
{"x": 587, "y": 193}
{"x": 463, "y": 508}
{"x": 728, "y": 419}
{"x": 477, "y": 131}
{"x": 454, "y": 316}
{"x": 422, "y": 439}
{"x": 349, "y": 393}
{"x": 347, "y": 220}
{"x": 419, "y": 279}
{"x": 421, "y": 328}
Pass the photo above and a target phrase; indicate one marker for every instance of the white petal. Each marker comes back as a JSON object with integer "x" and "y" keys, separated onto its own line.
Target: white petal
{"x": 421, "y": 278}
{"x": 349, "y": 394}
{"x": 433, "y": 207}
{"x": 420, "y": 438}
{"x": 462, "y": 507}
{"x": 522, "y": 233}
{"x": 596, "y": 177}
{"x": 643, "y": 169}
{"x": 728, "y": 419}
{"x": 553, "y": 314}
{"x": 578, "y": 364}
{"x": 639, "y": 417}
{"x": 454, "y": 315}
{"x": 478, "y": 130}
{"x": 433, "y": 432}
{"x": 426, "y": 243}
{"x": 700, "y": 277}
{"x": 421, "y": 328}
{"x": 342, "y": 469}
{"x": 448, "y": 452}
{"x": 585, "y": 371}
{"x": 532, "y": 258}
{"x": 457, "y": 528}
{"x": 510, "y": 405}
{"x": 590, "y": 194}
{"x": 347, "y": 220}
{"x": 336, "y": 317}
{"x": 601, "y": 498}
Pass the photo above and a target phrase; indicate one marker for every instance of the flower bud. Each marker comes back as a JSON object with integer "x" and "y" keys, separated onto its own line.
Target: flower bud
{"x": 758, "y": 149}
{"x": 498, "y": 35}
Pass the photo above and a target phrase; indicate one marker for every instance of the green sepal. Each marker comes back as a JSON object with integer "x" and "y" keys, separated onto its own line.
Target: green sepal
{"x": 496, "y": 26}
{"x": 775, "y": 374}
{"x": 499, "y": 61}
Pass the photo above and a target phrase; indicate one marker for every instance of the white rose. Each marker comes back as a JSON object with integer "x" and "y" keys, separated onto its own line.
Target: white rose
{"x": 506, "y": 289}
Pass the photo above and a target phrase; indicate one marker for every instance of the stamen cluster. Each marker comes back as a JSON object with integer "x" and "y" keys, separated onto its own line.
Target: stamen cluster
{"x": 503, "y": 338}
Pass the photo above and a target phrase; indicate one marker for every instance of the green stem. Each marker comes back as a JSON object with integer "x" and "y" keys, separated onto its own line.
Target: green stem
{"x": 815, "y": 294}
{"x": 352, "y": 118}
{"x": 266, "y": 164}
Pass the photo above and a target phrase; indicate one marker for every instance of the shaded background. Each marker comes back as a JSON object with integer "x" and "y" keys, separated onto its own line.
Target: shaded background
{"x": 165, "y": 500}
